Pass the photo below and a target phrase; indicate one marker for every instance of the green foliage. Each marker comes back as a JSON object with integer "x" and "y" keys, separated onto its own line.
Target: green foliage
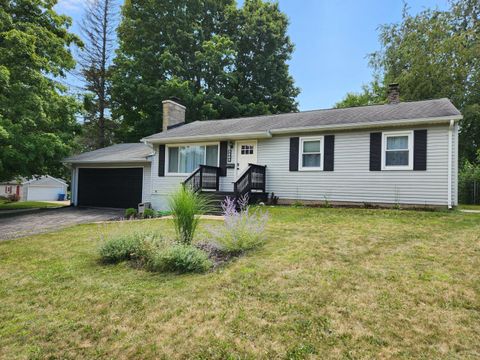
{"x": 181, "y": 259}
{"x": 468, "y": 179}
{"x": 433, "y": 54}
{"x": 149, "y": 213}
{"x": 130, "y": 213}
{"x": 185, "y": 206}
{"x": 164, "y": 213}
{"x": 220, "y": 60}
{"x": 37, "y": 118}
{"x": 121, "y": 248}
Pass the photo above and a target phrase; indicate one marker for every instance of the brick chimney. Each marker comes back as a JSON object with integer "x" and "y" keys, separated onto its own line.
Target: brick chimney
{"x": 173, "y": 114}
{"x": 393, "y": 94}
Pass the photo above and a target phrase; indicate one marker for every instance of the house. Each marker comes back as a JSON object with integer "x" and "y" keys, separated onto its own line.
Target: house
{"x": 43, "y": 188}
{"x": 397, "y": 153}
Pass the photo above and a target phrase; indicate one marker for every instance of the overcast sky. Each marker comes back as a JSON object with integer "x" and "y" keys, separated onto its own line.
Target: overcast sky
{"x": 332, "y": 40}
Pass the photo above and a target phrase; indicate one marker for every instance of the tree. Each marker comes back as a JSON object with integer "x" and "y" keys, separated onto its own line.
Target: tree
{"x": 436, "y": 54}
{"x": 209, "y": 53}
{"x": 37, "y": 118}
{"x": 98, "y": 29}
{"x": 371, "y": 94}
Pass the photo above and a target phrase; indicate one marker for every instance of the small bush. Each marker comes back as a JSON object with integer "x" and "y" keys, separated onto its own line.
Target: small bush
{"x": 149, "y": 214}
{"x": 185, "y": 205}
{"x": 130, "y": 213}
{"x": 243, "y": 230}
{"x": 181, "y": 259}
{"x": 136, "y": 246}
{"x": 164, "y": 213}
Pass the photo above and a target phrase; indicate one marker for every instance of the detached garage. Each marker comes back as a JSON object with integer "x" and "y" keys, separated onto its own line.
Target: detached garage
{"x": 42, "y": 188}
{"x": 114, "y": 177}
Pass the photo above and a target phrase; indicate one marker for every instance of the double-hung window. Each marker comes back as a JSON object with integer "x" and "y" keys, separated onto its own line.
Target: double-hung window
{"x": 397, "y": 150}
{"x": 187, "y": 158}
{"x": 311, "y": 153}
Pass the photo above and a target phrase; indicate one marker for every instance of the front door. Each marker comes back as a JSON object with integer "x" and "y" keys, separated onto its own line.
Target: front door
{"x": 246, "y": 154}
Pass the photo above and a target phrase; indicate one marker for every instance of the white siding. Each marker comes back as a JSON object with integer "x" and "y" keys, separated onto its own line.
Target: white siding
{"x": 351, "y": 180}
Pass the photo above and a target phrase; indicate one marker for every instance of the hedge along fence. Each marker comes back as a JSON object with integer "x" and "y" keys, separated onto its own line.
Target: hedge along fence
{"x": 469, "y": 184}
{"x": 469, "y": 192}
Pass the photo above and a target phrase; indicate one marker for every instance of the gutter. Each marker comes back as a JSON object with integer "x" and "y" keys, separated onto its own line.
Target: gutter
{"x": 139, "y": 161}
{"x": 450, "y": 151}
{"x": 237, "y": 136}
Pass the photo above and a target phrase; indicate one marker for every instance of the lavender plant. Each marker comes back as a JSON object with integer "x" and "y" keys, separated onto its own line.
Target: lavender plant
{"x": 243, "y": 228}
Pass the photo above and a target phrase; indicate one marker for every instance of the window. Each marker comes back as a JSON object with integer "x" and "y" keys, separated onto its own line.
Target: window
{"x": 311, "y": 151}
{"x": 398, "y": 150}
{"x": 246, "y": 150}
{"x": 186, "y": 159}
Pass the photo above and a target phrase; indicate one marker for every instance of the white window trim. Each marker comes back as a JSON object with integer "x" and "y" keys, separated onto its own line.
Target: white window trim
{"x": 385, "y": 135}
{"x": 167, "y": 156}
{"x": 300, "y": 153}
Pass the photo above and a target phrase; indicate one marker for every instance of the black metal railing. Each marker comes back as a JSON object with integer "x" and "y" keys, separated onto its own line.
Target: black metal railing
{"x": 204, "y": 178}
{"x": 254, "y": 178}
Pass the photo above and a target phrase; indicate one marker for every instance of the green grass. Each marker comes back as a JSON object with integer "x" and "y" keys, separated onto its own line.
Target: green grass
{"x": 469, "y": 207}
{"x": 6, "y": 205}
{"x": 329, "y": 283}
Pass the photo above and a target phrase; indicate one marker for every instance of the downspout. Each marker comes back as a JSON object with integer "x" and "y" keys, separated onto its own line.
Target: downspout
{"x": 450, "y": 150}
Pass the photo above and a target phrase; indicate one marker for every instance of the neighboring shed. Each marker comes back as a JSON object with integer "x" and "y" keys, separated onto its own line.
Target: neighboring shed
{"x": 43, "y": 188}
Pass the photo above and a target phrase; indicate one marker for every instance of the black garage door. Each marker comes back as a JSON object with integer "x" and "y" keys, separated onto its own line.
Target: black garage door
{"x": 115, "y": 188}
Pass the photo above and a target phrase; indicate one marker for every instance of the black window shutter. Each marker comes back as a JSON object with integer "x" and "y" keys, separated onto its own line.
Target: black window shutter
{"x": 376, "y": 151}
{"x": 294, "y": 147}
{"x": 328, "y": 155}
{"x": 223, "y": 157}
{"x": 161, "y": 160}
{"x": 420, "y": 150}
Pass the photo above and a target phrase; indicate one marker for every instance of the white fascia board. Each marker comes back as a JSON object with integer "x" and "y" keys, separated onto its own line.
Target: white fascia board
{"x": 139, "y": 161}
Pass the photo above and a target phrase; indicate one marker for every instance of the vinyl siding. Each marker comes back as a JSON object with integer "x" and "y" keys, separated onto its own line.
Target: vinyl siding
{"x": 351, "y": 180}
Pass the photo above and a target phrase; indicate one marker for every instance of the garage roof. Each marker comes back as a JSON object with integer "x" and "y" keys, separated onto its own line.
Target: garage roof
{"x": 119, "y": 153}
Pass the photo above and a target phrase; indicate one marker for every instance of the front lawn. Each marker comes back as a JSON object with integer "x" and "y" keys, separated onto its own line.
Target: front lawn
{"x": 7, "y": 205}
{"x": 329, "y": 283}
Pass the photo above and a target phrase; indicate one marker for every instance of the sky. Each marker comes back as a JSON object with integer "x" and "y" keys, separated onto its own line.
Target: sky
{"x": 332, "y": 40}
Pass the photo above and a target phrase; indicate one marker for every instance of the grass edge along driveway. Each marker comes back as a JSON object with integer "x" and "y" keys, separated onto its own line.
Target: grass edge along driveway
{"x": 329, "y": 283}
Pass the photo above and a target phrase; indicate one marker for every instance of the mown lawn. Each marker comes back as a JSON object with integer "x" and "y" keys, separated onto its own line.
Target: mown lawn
{"x": 329, "y": 283}
{"x": 7, "y": 205}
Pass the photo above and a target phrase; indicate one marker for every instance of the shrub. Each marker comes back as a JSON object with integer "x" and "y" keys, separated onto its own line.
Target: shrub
{"x": 185, "y": 205}
{"x": 163, "y": 213}
{"x": 134, "y": 246}
{"x": 149, "y": 213}
{"x": 243, "y": 230}
{"x": 130, "y": 213}
{"x": 181, "y": 259}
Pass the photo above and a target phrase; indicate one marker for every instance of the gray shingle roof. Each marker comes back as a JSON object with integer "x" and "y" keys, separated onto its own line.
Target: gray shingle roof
{"x": 120, "y": 153}
{"x": 427, "y": 109}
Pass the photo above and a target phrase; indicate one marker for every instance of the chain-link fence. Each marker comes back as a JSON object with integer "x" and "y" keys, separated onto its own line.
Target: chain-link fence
{"x": 469, "y": 192}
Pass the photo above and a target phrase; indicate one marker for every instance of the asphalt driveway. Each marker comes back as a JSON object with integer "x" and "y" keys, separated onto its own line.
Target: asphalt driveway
{"x": 52, "y": 219}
